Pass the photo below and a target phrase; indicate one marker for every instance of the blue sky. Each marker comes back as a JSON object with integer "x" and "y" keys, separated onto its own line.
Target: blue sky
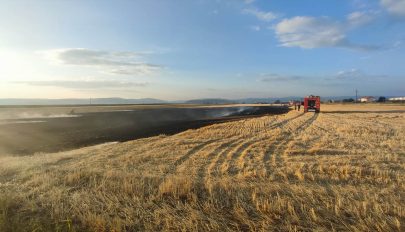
{"x": 201, "y": 49}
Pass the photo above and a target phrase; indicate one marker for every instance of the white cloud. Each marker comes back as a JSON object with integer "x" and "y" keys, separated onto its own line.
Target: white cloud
{"x": 394, "y": 7}
{"x": 349, "y": 74}
{"x": 255, "y": 28}
{"x": 359, "y": 18}
{"x": 271, "y": 77}
{"x": 261, "y": 15}
{"x": 341, "y": 77}
{"x": 310, "y": 32}
{"x": 124, "y": 62}
{"x": 353, "y": 75}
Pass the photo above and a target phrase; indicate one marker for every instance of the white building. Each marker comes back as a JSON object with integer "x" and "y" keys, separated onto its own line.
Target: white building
{"x": 396, "y": 99}
{"x": 367, "y": 99}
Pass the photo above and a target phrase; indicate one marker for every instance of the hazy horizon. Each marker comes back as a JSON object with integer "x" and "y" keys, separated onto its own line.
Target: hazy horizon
{"x": 201, "y": 49}
{"x": 142, "y": 101}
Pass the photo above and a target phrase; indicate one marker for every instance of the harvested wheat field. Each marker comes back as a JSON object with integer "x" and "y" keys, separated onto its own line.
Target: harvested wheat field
{"x": 333, "y": 171}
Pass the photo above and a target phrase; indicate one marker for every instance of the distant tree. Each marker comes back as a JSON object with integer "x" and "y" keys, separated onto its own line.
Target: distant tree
{"x": 277, "y": 102}
{"x": 381, "y": 99}
{"x": 348, "y": 100}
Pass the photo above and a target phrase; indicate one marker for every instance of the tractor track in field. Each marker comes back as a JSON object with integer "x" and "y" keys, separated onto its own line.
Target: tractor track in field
{"x": 232, "y": 157}
{"x": 269, "y": 155}
{"x": 197, "y": 148}
{"x": 284, "y": 122}
{"x": 240, "y": 154}
{"x": 243, "y": 149}
{"x": 221, "y": 158}
{"x": 241, "y": 159}
{"x": 190, "y": 153}
{"x": 174, "y": 167}
{"x": 226, "y": 154}
{"x": 204, "y": 170}
{"x": 276, "y": 153}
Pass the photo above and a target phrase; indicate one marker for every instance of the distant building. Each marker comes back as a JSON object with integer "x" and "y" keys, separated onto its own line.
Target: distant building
{"x": 396, "y": 99}
{"x": 367, "y": 99}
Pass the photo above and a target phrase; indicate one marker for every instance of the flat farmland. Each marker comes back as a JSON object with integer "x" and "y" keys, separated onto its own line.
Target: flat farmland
{"x": 340, "y": 170}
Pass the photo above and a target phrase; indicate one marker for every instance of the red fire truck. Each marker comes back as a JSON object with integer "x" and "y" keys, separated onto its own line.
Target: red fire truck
{"x": 312, "y": 103}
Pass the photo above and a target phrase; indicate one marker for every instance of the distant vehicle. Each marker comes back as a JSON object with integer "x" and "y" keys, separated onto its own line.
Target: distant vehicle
{"x": 312, "y": 103}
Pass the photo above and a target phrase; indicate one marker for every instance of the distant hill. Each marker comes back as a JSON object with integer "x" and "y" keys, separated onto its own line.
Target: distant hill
{"x": 211, "y": 101}
{"x": 238, "y": 101}
{"x": 259, "y": 100}
{"x": 79, "y": 101}
{"x": 127, "y": 101}
{"x": 265, "y": 100}
{"x": 112, "y": 101}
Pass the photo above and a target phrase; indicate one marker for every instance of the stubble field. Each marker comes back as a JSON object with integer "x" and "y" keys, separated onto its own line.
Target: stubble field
{"x": 340, "y": 170}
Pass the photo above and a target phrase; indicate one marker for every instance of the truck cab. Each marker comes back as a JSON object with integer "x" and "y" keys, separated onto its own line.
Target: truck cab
{"x": 312, "y": 104}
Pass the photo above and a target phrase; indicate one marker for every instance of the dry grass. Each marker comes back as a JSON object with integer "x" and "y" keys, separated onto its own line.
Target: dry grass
{"x": 297, "y": 172}
{"x": 367, "y": 107}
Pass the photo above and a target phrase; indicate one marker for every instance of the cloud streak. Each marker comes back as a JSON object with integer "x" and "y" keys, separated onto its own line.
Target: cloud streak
{"x": 261, "y": 15}
{"x": 84, "y": 84}
{"x": 360, "y": 18}
{"x": 311, "y": 32}
{"x": 278, "y": 78}
{"x": 348, "y": 74}
{"x": 354, "y": 75}
{"x": 340, "y": 76}
{"x": 394, "y": 7}
{"x": 121, "y": 63}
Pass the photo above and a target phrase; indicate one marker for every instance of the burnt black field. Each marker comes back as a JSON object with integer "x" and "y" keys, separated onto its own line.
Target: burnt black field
{"x": 29, "y": 135}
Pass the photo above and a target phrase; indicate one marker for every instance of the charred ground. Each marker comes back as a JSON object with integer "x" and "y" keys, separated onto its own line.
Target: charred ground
{"x": 69, "y": 129}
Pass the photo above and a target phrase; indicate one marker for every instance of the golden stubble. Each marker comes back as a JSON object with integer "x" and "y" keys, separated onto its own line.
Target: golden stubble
{"x": 333, "y": 171}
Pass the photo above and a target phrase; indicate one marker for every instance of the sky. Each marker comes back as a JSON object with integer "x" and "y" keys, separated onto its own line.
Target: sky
{"x": 188, "y": 49}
